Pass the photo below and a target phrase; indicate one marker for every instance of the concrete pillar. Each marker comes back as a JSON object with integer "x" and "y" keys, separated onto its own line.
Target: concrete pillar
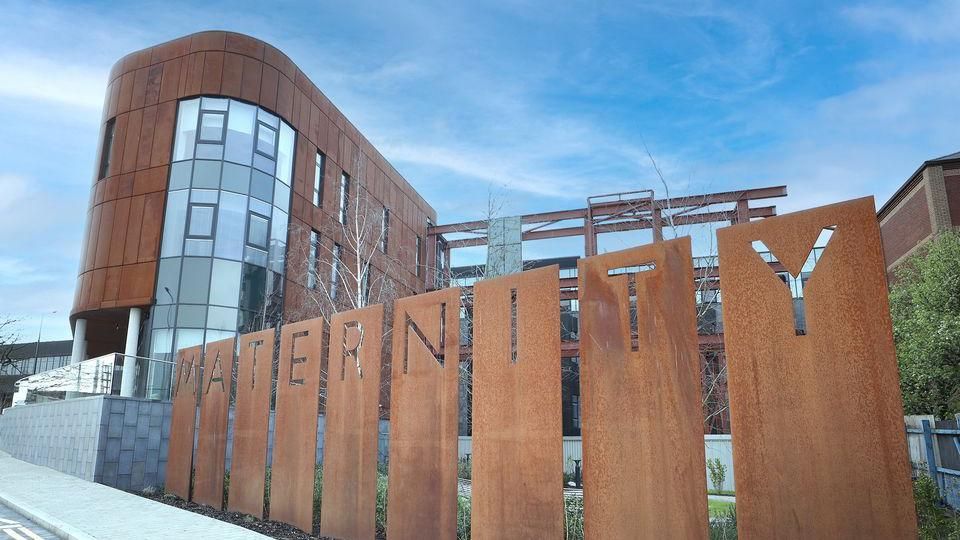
{"x": 79, "y": 348}
{"x": 128, "y": 384}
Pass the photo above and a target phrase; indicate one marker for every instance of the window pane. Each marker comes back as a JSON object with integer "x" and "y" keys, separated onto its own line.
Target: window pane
{"x": 209, "y": 151}
{"x": 260, "y": 207}
{"x": 191, "y": 316}
{"x": 257, "y": 231}
{"x": 255, "y": 256}
{"x": 285, "y": 154}
{"x": 106, "y": 151}
{"x": 218, "y": 335}
{"x": 188, "y": 338}
{"x": 231, "y": 222}
{"x": 197, "y": 248}
{"x": 225, "y": 283}
{"x": 318, "y": 180}
{"x": 344, "y": 197}
{"x": 278, "y": 240}
{"x": 194, "y": 281}
{"x": 206, "y": 174}
{"x": 174, "y": 224}
{"x": 180, "y": 173}
{"x": 211, "y": 127}
{"x": 204, "y": 196}
{"x": 235, "y": 178}
{"x": 261, "y": 186}
{"x": 267, "y": 118}
{"x": 201, "y": 220}
{"x": 163, "y": 316}
{"x": 264, "y": 163}
{"x": 222, "y": 318}
{"x": 281, "y": 195}
{"x": 252, "y": 287}
{"x": 266, "y": 140}
{"x": 240, "y": 125}
{"x": 168, "y": 280}
{"x": 186, "y": 129}
{"x": 214, "y": 104}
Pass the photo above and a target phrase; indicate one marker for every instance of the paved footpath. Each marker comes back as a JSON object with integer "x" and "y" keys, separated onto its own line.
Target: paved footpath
{"x": 75, "y": 509}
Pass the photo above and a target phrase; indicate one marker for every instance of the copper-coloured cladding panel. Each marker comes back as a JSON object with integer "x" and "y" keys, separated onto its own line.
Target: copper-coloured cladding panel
{"x": 212, "y": 441}
{"x": 183, "y": 421}
{"x": 817, "y": 419}
{"x": 422, "y": 493}
{"x": 349, "y": 507}
{"x": 251, "y": 423}
{"x": 295, "y": 431}
{"x": 517, "y": 431}
{"x": 643, "y": 456}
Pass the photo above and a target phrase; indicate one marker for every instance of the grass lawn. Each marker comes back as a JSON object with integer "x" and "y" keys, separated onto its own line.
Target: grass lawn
{"x": 718, "y": 508}
{"x": 721, "y": 492}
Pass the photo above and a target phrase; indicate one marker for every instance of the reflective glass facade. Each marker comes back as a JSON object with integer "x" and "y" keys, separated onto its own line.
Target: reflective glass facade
{"x": 224, "y": 229}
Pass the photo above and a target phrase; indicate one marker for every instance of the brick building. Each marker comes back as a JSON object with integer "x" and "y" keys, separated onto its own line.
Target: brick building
{"x": 925, "y": 205}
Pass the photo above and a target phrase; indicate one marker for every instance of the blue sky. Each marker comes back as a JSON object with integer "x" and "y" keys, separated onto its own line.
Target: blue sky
{"x": 539, "y": 103}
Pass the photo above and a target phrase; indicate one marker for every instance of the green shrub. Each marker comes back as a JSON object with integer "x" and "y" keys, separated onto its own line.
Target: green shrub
{"x": 934, "y": 521}
{"x": 724, "y": 525}
{"x": 718, "y": 473}
{"x": 464, "y": 469}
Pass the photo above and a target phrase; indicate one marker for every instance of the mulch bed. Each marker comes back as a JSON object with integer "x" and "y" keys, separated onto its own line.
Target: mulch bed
{"x": 273, "y": 529}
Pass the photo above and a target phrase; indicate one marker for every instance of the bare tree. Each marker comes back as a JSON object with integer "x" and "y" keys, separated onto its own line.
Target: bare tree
{"x": 9, "y": 336}
{"x": 350, "y": 262}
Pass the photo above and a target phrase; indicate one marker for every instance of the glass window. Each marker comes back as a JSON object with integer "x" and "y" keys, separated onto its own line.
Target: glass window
{"x": 384, "y": 229}
{"x": 191, "y": 316}
{"x": 267, "y": 118}
{"x": 208, "y": 196}
{"x": 416, "y": 260}
{"x": 281, "y": 194}
{"x": 335, "y": 271}
{"x": 168, "y": 281}
{"x": 212, "y": 127}
{"x": 258, "y": 228}
{"x": 188, "y": 338}
{"x": 252, "y": 287}
{"x": 225, "y": 283}
{"x": 344, "y": 197}
{"x": 164, "y": 316}
{"x": 222, "y": 318}
{"x": 313, "y": 270}
{"x": 186, "y": 129}
{"x": 255, "y": 256}
{"x": 195, "y": 280}
{"x": 174, "y": 223}
{"x": 240, "y": 126}
{"x": 197, "y": 248}
{"x": 180, "y": 173}
{"x": 210, "y": 151}
{"x": 264, "y": 163}
{"x": 235, "y": 178}
{"x": 285, "y": 154}
{"x": 266, "y": 140}
{"x": 206, "y": 174}
{"x": 318, "y": 180}
{"x": 214, "y": 104}
{"x": 231, "y": 225}
{"x": 200, "y": 221}
{"x": 106, "y": 152}
{"x": 261, "y": 186}
{"x": 278, "y": 241}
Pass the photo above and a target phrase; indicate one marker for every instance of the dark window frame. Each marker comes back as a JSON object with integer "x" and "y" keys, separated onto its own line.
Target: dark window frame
{"x": 223, "y": 129}
{"x": 189, "y": 220}
{"x": 256, "y": 139}
{"x": 344, "y": 211}
{"x": 319, "y": 169}
{"x": 246, "y": 241}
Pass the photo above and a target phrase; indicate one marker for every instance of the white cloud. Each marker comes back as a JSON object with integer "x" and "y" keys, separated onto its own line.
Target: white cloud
{"x": 32, "y": 77}
{"x": 928, "y": 22}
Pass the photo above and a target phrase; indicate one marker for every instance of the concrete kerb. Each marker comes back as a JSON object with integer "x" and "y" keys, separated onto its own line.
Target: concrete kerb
{"x": 54, "y": 525}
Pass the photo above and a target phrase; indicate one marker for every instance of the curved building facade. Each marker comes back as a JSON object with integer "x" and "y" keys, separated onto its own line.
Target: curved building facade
{"x": 219, "y": 162}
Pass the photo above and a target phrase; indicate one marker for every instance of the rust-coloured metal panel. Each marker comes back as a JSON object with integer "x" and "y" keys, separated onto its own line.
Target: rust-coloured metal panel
{"x": 818, "y": 441}
{"x": 349, "y": 508}
{"x": 643, "y": 456}
{"x": 517, "y": 431}
{"x": 295, "y": 425}
{"x": 424, "y": 406}
{"x": 251, "y": 423}
{"x": 183, "y": 421}
{"x": 212, "y": 441}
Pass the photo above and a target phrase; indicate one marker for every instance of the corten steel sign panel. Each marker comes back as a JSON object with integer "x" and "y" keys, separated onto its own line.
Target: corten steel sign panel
{"x": 349, "y": 508}
{"x": 183, "y": 421}
{"x": 212, "y": 441}
{"x": 640, "y": 392}
{"x": 295, "y": 431}
{"x": 251, "y": 423}
{"x": 817, "y": 418}
{"x": 424, "y": 394}
{"x": 517, "y": 431}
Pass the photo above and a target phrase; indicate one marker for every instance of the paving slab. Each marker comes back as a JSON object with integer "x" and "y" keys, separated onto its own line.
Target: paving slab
{"x": 76, "y": 509}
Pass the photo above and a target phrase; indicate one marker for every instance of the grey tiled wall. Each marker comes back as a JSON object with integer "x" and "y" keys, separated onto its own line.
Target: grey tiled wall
{"x": 120, "y": 442}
